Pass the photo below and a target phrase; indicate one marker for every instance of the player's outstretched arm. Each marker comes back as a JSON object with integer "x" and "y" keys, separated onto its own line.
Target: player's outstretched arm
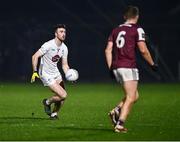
{"x": 108, "y": 53}
{"x": 35, "y": 58}
{"x": 146, "y": 54}
{"x": 65, "y": 65}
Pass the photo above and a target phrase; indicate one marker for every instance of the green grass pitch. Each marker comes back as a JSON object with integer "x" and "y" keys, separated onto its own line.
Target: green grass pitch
{"x": 156, "y": 116}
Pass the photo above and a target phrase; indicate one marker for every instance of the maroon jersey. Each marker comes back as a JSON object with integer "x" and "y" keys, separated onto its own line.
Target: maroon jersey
{"x": 125, "y": 38}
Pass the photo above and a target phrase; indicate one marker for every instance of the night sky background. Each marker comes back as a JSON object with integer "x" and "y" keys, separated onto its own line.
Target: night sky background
{"x": 26, "y": 25}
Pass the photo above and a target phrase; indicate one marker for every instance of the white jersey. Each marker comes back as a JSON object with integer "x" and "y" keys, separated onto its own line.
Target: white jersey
{"x": 51, "y": 55}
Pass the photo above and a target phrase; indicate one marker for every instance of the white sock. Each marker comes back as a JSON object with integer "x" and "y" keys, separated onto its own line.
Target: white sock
{"x": 47, "y": 102}
{"x": 53, "y": 114}
{"x": 116, "y": 108}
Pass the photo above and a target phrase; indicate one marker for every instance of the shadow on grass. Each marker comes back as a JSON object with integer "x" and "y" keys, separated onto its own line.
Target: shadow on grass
{"x": 15, "y": 119}
{"x": 84, "y": 129}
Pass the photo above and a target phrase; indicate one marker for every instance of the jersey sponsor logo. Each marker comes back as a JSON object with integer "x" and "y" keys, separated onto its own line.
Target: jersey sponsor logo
{"x": 55, "y": 58}
{"x": 141, "y": 34}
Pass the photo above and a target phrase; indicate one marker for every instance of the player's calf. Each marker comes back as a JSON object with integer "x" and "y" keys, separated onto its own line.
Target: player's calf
{"x": 58, "y": 105}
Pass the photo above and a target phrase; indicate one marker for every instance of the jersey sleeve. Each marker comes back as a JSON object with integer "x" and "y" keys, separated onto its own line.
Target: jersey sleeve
{"x": 140, "y": 34}
{"x": 65, "y": 52}
{"x": 44, "y": 48}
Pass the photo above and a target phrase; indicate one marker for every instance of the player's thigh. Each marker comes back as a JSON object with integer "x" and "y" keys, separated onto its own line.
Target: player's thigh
{"x": 58, "y": 78}
{"x": 130, "y": 88}
{"x": 58, "y": 90}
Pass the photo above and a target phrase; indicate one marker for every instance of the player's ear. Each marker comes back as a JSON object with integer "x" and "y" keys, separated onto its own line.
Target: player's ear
{"x": 55, "y": 34}
{"x": 137, "y": 17}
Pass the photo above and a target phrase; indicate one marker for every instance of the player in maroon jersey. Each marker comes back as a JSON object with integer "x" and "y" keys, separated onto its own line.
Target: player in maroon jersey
{"x": 121, "y": 59}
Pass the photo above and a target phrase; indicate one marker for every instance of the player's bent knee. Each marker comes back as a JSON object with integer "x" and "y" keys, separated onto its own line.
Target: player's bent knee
{"x": 63, "y": 95}
{"x": 60, "y": 100}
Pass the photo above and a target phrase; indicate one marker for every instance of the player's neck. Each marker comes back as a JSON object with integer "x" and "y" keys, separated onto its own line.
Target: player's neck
{"x": 131, "y": 21}
{"x": 58, "y": 42}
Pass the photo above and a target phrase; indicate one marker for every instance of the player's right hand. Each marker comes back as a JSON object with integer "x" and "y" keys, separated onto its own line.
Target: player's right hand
{"x": 34, "y": 76}
{"x": 154, "y": 67}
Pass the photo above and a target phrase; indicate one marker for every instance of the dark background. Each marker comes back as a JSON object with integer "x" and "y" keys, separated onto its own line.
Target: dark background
{"x": 26, "y": 25}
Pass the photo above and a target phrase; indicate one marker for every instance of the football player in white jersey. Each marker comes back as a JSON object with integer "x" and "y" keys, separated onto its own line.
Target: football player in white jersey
{"x": 50, "y": 53}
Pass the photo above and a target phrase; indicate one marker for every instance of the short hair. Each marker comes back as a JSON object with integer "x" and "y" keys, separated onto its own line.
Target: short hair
{"x": 59, "y": 26}
{"x": 131, "y": 12}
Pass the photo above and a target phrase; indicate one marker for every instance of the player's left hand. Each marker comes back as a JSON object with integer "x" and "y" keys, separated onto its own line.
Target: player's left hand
{"x": 34, "y": 76}
{"x": 154, "y": 67}
{"x": 111, "y": 74}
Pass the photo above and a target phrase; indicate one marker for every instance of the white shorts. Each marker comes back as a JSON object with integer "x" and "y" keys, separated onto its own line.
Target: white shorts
{"x": 126, "y": 74}
{"x": 50, "y": 79}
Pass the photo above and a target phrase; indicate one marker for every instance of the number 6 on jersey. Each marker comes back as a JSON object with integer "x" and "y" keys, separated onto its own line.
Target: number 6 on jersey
{"x": 120, "y": 41}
